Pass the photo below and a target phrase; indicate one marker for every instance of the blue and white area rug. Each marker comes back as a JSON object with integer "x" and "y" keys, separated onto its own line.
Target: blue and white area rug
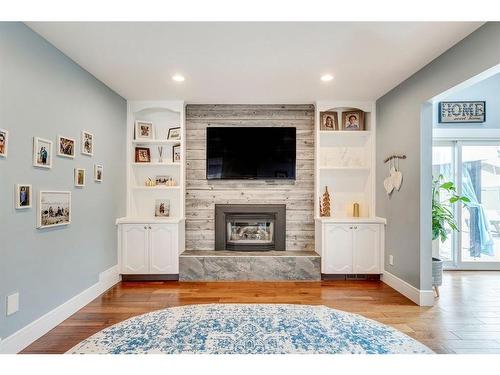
{"x": 245, "y": 329}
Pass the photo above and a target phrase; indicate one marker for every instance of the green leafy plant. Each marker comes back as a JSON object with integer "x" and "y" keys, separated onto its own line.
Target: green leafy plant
{"x": 441, "y": 213}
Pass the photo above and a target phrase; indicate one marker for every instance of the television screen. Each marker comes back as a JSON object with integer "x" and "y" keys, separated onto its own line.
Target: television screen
{"x": 250, "y": 153}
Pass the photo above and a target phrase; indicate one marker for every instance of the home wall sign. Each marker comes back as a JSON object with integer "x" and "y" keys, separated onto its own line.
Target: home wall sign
{"x": 462, "y": 112}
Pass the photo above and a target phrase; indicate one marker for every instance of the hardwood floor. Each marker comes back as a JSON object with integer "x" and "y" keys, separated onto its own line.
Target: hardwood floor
{"x": 465, "y": 319}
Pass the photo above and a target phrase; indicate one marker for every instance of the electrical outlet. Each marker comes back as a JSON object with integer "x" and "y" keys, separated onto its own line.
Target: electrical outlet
{"x": 391, "y": 260}
{"x": 12, "y": 303}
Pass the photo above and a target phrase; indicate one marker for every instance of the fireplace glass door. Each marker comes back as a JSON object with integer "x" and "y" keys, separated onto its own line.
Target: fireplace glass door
{"x": 250, "y": 232}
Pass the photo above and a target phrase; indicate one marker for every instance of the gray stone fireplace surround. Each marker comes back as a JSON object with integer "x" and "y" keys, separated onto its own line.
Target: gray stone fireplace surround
{"x": 250, "y": 227}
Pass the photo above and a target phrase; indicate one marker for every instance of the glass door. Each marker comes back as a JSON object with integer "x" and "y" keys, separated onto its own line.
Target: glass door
{"x": 480, "y": 219}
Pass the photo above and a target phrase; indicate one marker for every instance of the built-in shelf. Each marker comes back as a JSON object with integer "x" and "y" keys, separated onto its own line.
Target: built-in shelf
{"x": 155, "y": 164}
{"x": 148, "y": 220}
{"x": 344, "y": 133}
{"x": 156, "y": 187}
{"x": 350, "y": 219}
{"x": 156, "y": 141}
{"x": 346, "y": 169}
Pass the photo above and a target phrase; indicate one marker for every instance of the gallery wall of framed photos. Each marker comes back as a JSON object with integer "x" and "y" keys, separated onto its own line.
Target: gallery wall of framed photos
{"x": 53, "y": 208}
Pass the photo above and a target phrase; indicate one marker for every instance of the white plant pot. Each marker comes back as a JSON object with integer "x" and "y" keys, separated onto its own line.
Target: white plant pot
{"x": 437, "y": 272}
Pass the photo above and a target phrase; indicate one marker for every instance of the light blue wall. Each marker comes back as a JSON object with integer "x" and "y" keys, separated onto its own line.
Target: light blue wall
{"x": 404, "y": 125}
{"x": 43, "y": 93}
{"x": 487, "y": 90}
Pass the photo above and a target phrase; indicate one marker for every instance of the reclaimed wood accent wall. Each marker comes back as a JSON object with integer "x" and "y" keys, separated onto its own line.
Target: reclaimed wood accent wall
{"x": 202, "y": 195}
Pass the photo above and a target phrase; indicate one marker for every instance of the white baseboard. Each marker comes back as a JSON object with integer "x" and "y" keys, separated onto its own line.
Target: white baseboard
{"x": 420, "y": 297}
{"x": 33, "y": 331}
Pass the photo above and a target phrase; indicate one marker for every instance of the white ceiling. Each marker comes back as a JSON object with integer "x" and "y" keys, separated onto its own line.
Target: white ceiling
{"x": 253, "y": 62}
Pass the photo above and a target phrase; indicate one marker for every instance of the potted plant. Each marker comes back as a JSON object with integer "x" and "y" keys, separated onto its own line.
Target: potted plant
{"x": 443, "y": 221}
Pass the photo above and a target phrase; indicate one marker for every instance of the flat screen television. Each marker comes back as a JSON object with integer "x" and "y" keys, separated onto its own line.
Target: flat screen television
{"x": 235, "y": 153}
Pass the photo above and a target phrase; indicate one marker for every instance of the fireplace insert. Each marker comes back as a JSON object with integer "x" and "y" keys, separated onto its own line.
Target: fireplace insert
{"x": 248, "y": 227}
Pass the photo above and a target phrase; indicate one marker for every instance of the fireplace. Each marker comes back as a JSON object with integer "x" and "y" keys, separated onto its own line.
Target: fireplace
{"x": 250, "y": 227}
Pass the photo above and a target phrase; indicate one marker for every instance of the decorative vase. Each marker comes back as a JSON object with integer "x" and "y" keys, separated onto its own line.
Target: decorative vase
{"x": 355, "y": 210}
{"x": 160, "y": 152}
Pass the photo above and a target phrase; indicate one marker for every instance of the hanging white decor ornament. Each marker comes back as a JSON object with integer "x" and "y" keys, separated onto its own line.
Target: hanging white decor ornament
{"x": 397, "y": 178}
{"x": 388, "y": 184}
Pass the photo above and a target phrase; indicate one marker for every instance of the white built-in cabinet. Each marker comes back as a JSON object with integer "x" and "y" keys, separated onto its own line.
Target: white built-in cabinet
{"x": 149, "y": 245}
{"x": 351, "y": 248}
{"x": 149, "y": 249}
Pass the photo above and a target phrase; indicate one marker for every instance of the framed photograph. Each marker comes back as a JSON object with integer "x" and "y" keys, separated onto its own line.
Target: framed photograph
{"x": 54, "y": 209}
{"x": 144, "y": 130}
{"x": 23, "y": 196}
{"x": 328, "y": 121}
{"x": 98, "y": 172}
{"x": 142, "y": 155}
{"x": 4, "y": 141}
{"x": 42, "y": 153}
{"x": 353, "y": 120}
{"x": 174, "y": 134}
{"x": 65, "y": 147}
{"x": 79, "y": 177}
{"x": 176, "y": 153}
{"x": 87, "y": 143}
{"x": 162, "y": 208}
{"x": 162, "y": 180}
{"x": 462, "y": 112}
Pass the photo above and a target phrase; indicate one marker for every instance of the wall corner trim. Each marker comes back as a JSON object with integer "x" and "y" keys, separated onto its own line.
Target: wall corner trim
{"x": 420, "y": 297}
{"x": 36, "y": 329}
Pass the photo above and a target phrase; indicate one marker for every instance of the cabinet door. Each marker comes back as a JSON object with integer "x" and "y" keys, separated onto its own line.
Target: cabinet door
{"x": 164, "y": 257}
{"x": 367, "y": 248}
{"x": 134, "y": 249}
{"x": 337, "y": 250}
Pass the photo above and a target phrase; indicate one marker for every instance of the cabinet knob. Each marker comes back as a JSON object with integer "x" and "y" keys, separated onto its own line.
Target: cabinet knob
{"x": 145, "y": 227}
{"x": 149, "y": 227}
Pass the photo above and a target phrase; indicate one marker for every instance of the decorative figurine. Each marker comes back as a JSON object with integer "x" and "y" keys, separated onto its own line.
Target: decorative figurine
{"x": 325, "y": 206}
{"x": 150, "y": 182}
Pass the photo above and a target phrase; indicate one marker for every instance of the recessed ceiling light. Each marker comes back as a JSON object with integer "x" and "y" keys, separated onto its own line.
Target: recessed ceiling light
{"x": 326, "y": 77}
{"x": 178, "y": 78}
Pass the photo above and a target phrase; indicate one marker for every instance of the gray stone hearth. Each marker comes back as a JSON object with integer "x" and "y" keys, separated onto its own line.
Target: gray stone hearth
{"x": 259, "y": 266}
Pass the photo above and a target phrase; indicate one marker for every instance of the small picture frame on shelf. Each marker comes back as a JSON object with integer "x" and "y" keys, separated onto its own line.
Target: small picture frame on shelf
{"x": 142, "y": 155}
{"x": 87, "y": 143}
{"x": 98, "y": 172}
{"x": 65, "y": 147}
{"x": 329, "y": 121}
{"x": 42, "y": 153}
{"x": 54, "y": 209}
{"x": 23, "y": 196}
{"x": 162, "y": 180}
{"x": 79, "y": 177}
{"x": 176, "y": 153}
{"x": 144, "y": 130}
{"x": 4, "y": 141}
{"x": 353, "y": 120}
{"x": 174, "y": 134}
{"x": 162, "y": 208}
